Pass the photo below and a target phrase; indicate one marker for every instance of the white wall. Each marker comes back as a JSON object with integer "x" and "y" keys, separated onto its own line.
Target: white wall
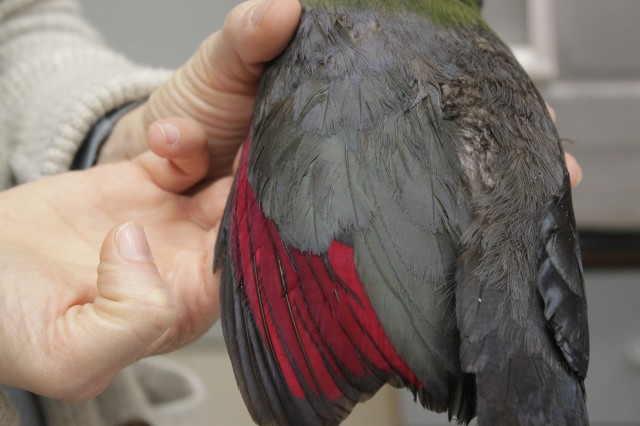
{"x": 157, "y": 32}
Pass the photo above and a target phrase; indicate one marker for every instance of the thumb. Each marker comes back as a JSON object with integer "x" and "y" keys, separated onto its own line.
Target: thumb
{"x": 132, "y": 310}
{"x": 133, "y": 300}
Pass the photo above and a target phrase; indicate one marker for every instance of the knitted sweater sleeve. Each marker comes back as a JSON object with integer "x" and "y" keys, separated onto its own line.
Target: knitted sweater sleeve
{"x": 57, "y": 78}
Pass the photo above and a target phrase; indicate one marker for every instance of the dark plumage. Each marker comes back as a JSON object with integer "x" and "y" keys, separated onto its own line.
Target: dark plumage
{"x": 402, "y": 215}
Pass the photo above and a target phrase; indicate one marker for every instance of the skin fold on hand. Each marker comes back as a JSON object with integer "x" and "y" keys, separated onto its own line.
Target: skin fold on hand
{"x": 217, "y": 85}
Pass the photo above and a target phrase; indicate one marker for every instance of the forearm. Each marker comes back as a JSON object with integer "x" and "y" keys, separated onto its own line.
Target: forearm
{"x": 57, "y": 80}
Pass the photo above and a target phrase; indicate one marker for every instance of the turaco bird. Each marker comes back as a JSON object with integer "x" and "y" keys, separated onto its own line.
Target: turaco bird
{"x": 402, "y": 214}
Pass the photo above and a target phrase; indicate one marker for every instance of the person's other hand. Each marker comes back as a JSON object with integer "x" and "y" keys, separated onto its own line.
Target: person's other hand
{"x": 64, "y": 336}
{"x": 575, "y": 171}
{"x": 217, "y": 86}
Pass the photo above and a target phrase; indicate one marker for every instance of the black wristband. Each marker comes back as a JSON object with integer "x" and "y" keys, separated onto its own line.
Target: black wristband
{"x": 87, "y": 155}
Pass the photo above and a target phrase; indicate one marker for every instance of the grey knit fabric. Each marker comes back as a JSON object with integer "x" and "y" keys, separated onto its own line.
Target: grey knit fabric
{"x": 57, "y": 79}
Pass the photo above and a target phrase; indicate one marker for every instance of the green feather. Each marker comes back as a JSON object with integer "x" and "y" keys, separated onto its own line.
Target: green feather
{"x": 441, "y": 12}
{"x": 476, "y": 4}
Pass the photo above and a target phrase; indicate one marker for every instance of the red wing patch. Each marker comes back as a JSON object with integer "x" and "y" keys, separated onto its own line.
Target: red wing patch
{"x": 311, "y": 310}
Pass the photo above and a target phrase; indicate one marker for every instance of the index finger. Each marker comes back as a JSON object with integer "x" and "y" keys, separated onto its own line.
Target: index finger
{"x": 179, "y": 156}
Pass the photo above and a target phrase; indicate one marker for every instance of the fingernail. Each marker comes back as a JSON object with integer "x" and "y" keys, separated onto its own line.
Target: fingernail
{"x": 170, "y": 133}
{"x": 258, "y": 12}
{"x": 132, "y": 243}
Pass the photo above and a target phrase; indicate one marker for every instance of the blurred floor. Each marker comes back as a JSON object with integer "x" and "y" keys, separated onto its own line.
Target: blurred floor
{"x": 225, "y": 407}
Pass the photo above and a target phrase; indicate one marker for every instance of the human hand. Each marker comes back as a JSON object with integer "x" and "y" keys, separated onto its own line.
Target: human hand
{"x": 62, "y": 335}
{"x": 575, "y": 171}
{"x": 217, "y": 86}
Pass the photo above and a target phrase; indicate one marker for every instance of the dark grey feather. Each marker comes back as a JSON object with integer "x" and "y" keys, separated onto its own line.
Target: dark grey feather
{"x": 561, "y": 283}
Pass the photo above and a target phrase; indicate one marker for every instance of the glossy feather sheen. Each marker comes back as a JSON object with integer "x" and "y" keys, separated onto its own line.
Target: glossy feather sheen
{"x": 402, "y": 215}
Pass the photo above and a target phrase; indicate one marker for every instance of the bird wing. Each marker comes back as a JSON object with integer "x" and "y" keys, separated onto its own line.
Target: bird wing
{"x": 561, "y": 283}
{"x": 342, "y": 232}
{"x": 303, "y": 337}
{"x": 520, "y": 383}
{"x": 341, "y": 237}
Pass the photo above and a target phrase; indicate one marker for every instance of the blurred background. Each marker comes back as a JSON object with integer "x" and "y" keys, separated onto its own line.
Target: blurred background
{"x": 585, "y": 57}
